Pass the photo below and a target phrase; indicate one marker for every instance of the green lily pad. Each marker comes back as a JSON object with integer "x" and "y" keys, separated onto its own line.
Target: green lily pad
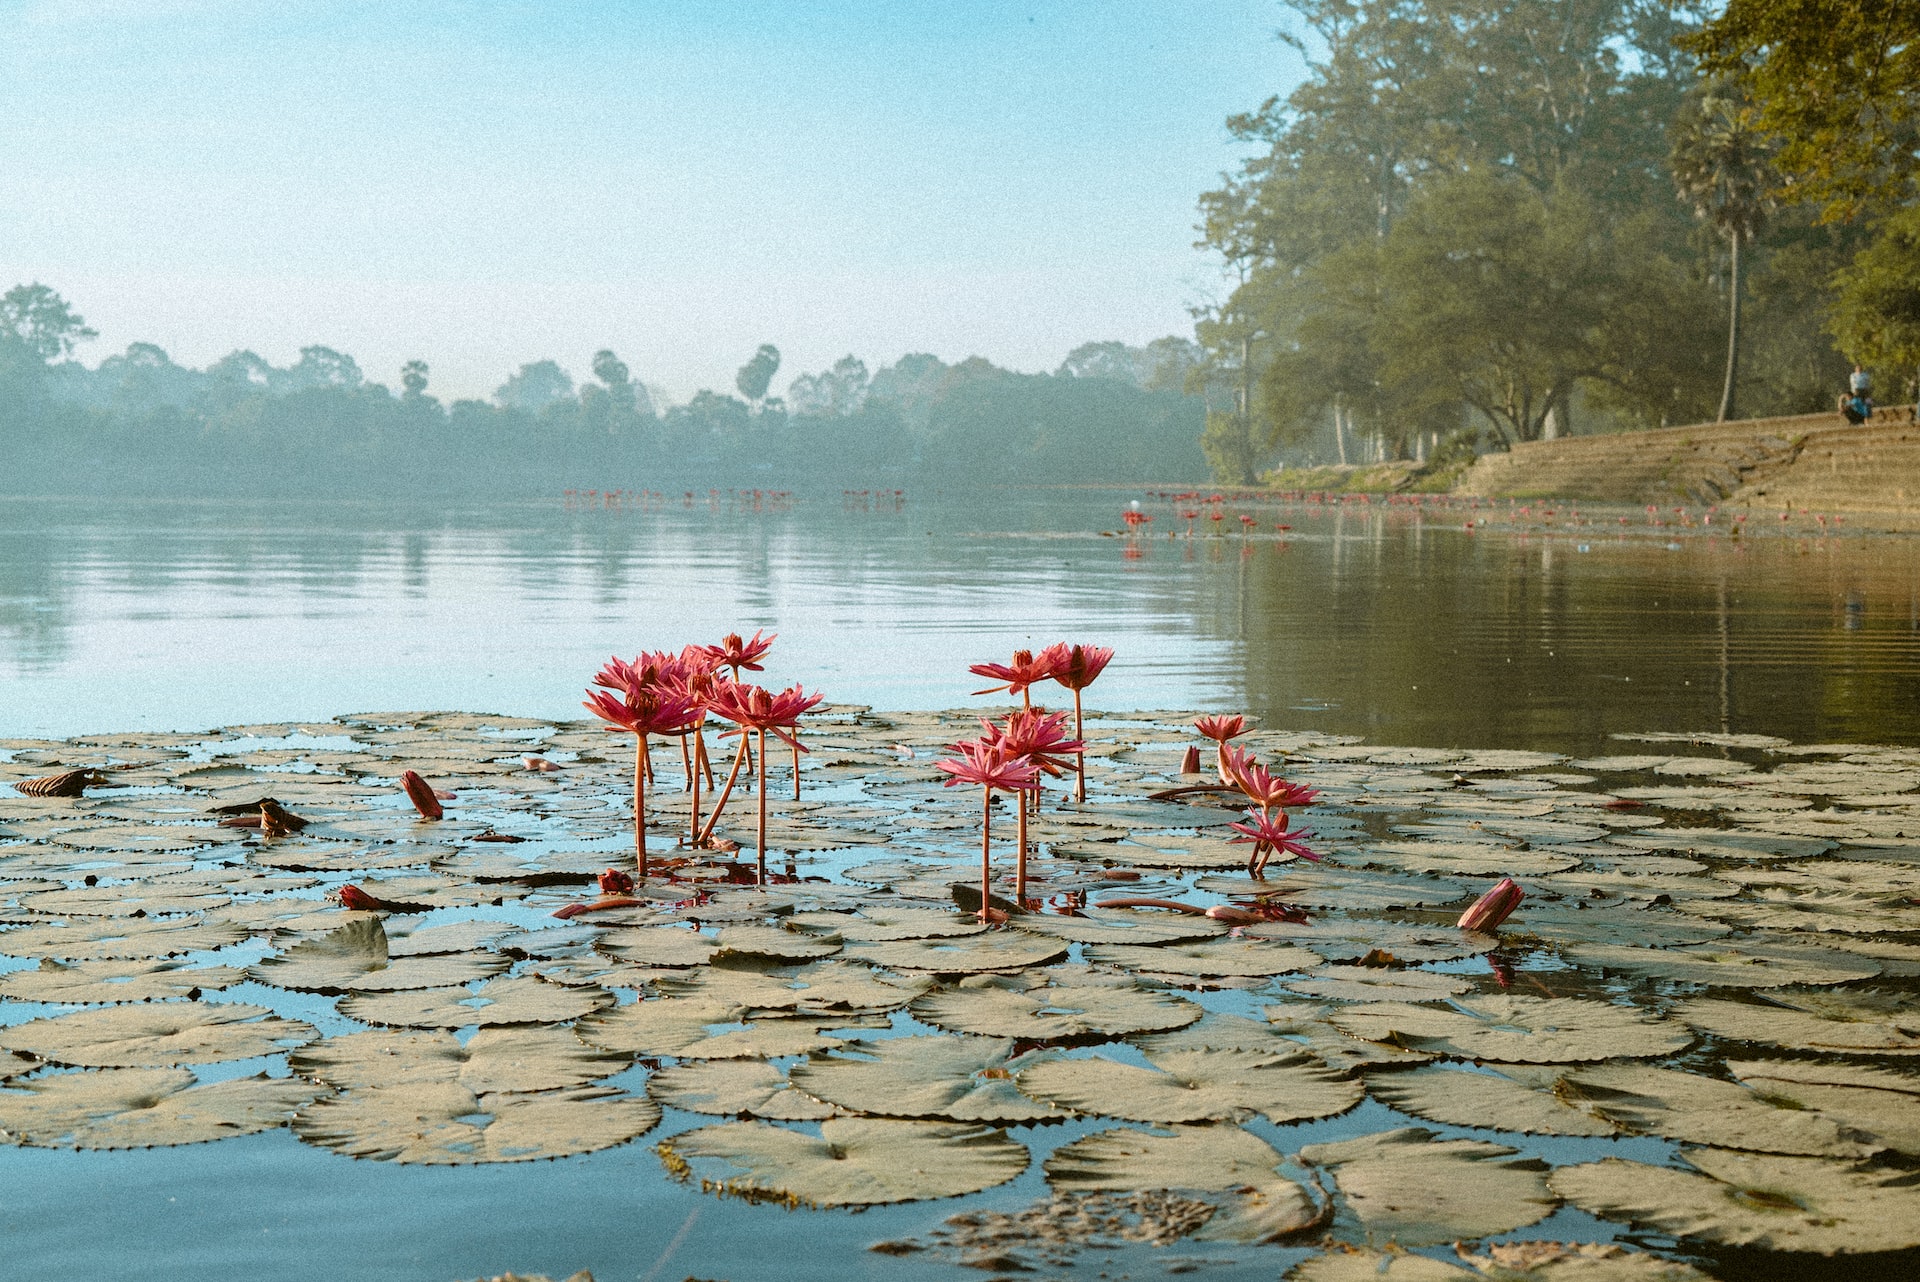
{"x": 1409, "y": 1187}
{"x": 854, "y": 1161}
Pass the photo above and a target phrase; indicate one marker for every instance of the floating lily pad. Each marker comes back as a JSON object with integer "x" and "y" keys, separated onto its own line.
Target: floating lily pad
{"x": 1843, "y": 1021}
{"x": 1251, "y": 957}
{"x": 1729, "y": 965}
{"x": 735, "y": 1087}
{"x": 879, "y": 922}
{"x": 1457, "y": 858}
{"x": 97, "y": 939}
{"x": 1157, "y": 851}
{"x": 776, "y": 942}
{"x": 445, "y": 1124}
{"x": 1519, "y": 1030}
{"x": 659, "y": 946}
{"x": 1706, "y": 1110}
{"x": 854, "y": 1161}
{"x": 1350, "y": 939}
{"x": 493, "y": 1059}
{"x": 1055, "y": 1012}
{"x": 1408, "y": 1186}
{"x": 663, "y": 1027}
{"x": 1875, "y": 1102}
{"x": 1756, "y": 1200}
{"x": 518, "y": 1000}
{"x": 354, "y": 958}
{"x": 1518, "y": 1097}
{"x": 959, "y": 1079}
{"x": 1365, "y": 984}
{"x": 1195, "y": 1086}
{"x": 100, "y": 983}
{"x": 1202, "y": 1158}
{"x": 118, "y": 1108}
{"x": 1122, "y": 926}
{"x": 156, "y": 1035}
{"x": 996, "y": 951}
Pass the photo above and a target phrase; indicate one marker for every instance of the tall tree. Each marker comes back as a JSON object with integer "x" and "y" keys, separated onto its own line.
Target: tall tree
{"x": 1721, "y": 169}
{"x": 1877, "y": 314}
{"x": 41, "y": 322}
{"x": 1838, "y": 82}
{"x": 757, "y": 374}
{"x": 413, "y": 381}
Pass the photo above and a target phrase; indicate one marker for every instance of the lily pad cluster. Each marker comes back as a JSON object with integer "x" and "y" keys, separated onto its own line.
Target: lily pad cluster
{"x": 1715, "y": 960}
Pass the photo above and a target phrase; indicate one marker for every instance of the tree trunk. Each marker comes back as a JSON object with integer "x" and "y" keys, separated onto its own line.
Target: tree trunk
{"x": 1339, "y": 433}
{"x": 1733, "y": 330}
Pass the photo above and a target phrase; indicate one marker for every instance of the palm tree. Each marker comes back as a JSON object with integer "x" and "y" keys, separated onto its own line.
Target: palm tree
{"x": 1721, "y": 168}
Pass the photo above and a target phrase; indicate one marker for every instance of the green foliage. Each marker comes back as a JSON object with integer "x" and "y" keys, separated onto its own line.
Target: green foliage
{"x": 757, "y": 374}
{"x": 1877, "y": 313}
{"x": 1838, "y": 82}
{"x": 40, "y": 322}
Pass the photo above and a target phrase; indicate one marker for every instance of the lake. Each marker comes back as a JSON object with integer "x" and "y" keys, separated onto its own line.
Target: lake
{"x": 1432, "y": 624}
{"x": 1391, "y": 621}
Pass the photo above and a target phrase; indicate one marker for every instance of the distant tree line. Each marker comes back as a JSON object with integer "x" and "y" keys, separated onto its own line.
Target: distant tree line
{"x": 139, "y": 423}
{"x": 1498, "y": 222}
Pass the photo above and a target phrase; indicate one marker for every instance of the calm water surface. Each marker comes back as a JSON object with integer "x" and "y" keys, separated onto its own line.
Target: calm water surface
{"x": 1379, "y": 620}
{"x": 1371, "y": 619}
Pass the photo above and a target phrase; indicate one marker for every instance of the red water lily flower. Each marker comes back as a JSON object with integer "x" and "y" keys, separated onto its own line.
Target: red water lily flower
{"x": 989, "y": 766}
{"x": 1259, "y": 784}
{"x": 1040, "y": 737}
{"x": 641, "y": 710}
{"x": 1221, "y": 729}
{"x": 1270, "y": 836}
{"x": 741, "y": 656}
{"x": 1017, "y": 677}
{"x": 1076, "y": 667}
{"x": 754, "y": 710}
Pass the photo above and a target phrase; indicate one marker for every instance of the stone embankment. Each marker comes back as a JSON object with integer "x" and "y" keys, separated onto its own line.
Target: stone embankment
{"x": 1818, "y": 462}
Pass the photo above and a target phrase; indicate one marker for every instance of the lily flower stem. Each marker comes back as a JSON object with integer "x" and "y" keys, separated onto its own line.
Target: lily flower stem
{"x": 693, "y": 787}
{"x": 1020, "y": 850}
{"x": 706, "y": 832}
{"x": 640, "y": 803}
{"x": 1080, "y": 757}
{"x": 700, "y": 755}
{"x": 686, "y": 762}
{"x": 986, "y": 850}
{"x": 796, "y": 769}
{"x": 760, "y": 833}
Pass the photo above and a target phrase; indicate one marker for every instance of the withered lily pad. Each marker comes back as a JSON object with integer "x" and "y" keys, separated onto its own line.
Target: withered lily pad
{"x": 493, "y": 1059}
{"x": 103, "y": 983}
{"x": 1406, "y": 1186}
{"x": 1195, "y": 1086}
{"x": 145, "y": 1107}
{"x": 519, "y": 1000}
{"x": 445, "y": 1124}
{"x": 1055, "y": 1012}
{"x": 1756, "y": 1200}
{"x": 1518, "y": 1097}
{"x": 157, "y": 1035}
{"x": 854, "y": 1161}
{"x": 959, "y": 1079}
{"x": 1519, "y": 1030}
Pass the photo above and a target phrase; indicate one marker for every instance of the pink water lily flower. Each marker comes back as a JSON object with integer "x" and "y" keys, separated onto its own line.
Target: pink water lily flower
{"x": 1077, "y": 667}
{"x": 1494, "y": 907}
{"x": 1039, "y": 737}
{"x": 989, "y": 766}
{"x": 641, "y": 710}
{"x": 1017, "y": 677}
{"x": 1259, "y": 783}
{"x": 1269, "y": 835}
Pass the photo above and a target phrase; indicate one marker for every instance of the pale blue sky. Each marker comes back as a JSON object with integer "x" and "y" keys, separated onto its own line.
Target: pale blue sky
{"x": 486, "y": 184}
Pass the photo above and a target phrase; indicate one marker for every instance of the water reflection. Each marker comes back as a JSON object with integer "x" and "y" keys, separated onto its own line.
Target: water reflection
{"x": 1393, "y": 622}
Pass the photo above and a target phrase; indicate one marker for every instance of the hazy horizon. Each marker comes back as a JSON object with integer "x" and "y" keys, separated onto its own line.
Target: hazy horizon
{"x": 481, "y": 189}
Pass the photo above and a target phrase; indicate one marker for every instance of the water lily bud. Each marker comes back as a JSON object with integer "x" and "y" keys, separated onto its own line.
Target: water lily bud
{"x": 351, "y": 896}
{"x": 1494, "y": 907}
{"x": 421, "y": 795}
{"x": 1190, "y": 764}
{"x": 615, "y": 882}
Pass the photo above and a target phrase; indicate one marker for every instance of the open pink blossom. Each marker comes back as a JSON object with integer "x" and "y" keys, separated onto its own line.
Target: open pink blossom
{"x": 1269, "y": 836}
